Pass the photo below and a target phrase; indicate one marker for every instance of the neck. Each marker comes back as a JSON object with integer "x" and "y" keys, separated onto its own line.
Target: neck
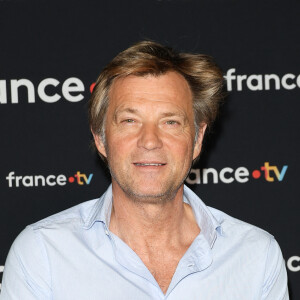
{"x": 141, "y": 223}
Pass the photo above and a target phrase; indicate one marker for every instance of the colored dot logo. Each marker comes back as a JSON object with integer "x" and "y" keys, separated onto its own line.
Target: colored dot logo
{"x": 92, "y": 87}
{"x": 256, "y": 174}
{"x": 71, "y": 179}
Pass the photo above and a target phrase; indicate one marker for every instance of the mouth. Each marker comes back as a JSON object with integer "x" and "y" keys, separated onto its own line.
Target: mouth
{"x": 149, "y": 164}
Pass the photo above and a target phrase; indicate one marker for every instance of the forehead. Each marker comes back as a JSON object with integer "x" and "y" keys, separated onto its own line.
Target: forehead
{"x": 167, "y": 89}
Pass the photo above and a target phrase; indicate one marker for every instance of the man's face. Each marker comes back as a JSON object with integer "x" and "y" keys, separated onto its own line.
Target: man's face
{"x": 150, "y": 135}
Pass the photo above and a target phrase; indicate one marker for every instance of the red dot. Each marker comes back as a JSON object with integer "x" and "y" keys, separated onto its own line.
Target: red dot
{"x": 71, "y": 179}
{"x": 92, "y": 87}
{"x": 256, "y": 174}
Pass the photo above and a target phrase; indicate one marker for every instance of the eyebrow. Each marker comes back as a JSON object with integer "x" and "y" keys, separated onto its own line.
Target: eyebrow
{"x": 128, "y": 109}
{"x": 135, "y": 111}
{"x": 173, "y": 114}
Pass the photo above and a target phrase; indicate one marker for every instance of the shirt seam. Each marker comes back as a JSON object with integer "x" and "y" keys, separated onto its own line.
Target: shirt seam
{"x": 265, "y": 268}
{"x": 27, "y": 278}
{"x": 39, "y": 238}
{"x": 41, "y": 225}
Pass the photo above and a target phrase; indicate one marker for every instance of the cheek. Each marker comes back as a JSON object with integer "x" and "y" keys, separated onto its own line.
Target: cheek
{"x": 177, "y": 146}
{"x": 118, "y": 148}
{"x": 180, "y": 148}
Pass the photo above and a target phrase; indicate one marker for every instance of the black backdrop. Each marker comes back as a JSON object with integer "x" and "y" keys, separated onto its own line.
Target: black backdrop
{"x": 43, "y": 122}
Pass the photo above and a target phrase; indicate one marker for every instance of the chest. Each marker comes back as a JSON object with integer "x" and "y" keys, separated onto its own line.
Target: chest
{"x": 95, "y": 278}
{"x": 162, "y": 265}
{"x": 113, "y": 271}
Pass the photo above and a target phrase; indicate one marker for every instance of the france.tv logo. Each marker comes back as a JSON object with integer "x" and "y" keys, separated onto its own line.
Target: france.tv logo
{"x": 48, "y": 180}
{"x": 267, "y": 172}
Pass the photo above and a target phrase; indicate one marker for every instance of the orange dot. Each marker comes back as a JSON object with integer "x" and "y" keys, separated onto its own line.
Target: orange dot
{"x": 71, "y": 179}
{"x": 92, "y": 87}
{"x": 256, "y": 174}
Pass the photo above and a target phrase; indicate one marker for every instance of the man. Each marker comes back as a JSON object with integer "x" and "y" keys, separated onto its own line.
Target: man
{"x": 148, "y": 236}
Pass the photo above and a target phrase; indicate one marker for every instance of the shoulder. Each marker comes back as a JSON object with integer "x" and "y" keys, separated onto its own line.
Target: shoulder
{"x": 245, "y": 239}
{"x": 28, "y": 267}
{"x": 233, "y": 227}
{"x": 248, "y": 240}
{"x": 74, "y": 216}
{"x": 56, "y": 226}
{"x": 257, "y": 249}
{"x": 60, "y": 228}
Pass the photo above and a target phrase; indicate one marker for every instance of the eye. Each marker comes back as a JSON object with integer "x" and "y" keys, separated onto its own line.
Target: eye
{"x": 172, "y": 122}
{"x": 128, "y": 121}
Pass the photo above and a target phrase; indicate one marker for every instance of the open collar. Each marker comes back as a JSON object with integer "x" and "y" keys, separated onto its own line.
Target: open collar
{"x": 209, "y": 226}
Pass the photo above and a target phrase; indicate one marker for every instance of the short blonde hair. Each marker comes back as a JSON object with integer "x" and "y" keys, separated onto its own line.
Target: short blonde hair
{"x": 150, "y": 58}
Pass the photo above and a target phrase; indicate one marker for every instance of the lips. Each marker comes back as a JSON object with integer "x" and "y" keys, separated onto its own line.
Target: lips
{"x": 149, "y": 164}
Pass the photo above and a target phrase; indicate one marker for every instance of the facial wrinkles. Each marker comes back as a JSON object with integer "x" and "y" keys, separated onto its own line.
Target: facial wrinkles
{"x": 154, "y": 92}
{"x": 152, "y": 111}
{"x": 169, "y": 138}
{"x": 149, "y": 117}
{"x": 151, "y": 101}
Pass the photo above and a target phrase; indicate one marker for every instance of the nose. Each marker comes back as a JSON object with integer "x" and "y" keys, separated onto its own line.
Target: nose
{"x": 149, "y": 138}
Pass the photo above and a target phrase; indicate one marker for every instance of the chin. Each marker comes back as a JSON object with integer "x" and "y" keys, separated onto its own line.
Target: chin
{"x": 150, "y": 195}
{"x": 150, "y": 190}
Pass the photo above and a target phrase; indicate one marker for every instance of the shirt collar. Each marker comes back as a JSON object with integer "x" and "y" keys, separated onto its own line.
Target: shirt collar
{"x": 208, "y": 224}
{"x": 101, "y": 212}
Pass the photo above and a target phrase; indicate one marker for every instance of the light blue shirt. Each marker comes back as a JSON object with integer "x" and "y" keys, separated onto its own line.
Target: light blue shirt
{"x": 73, "y": 256}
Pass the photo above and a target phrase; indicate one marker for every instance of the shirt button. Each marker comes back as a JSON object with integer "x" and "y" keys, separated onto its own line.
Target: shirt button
{"x": 106, "y": 232}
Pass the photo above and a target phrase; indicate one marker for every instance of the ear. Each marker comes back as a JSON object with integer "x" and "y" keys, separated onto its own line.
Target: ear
{"x": 99, "y": 144}
{"x": 198, "y": 144}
